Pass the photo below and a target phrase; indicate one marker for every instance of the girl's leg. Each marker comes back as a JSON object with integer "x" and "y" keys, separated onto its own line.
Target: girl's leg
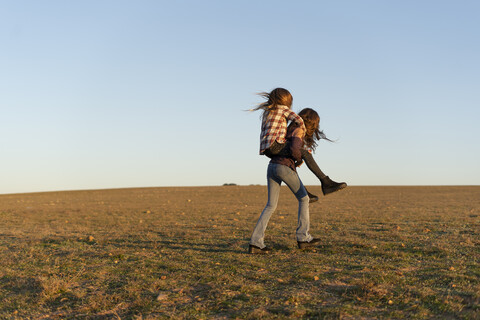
{"x": 292, "y": 180}
{"x": 312, "y": 164}
{"x": 328, "y": 185}
{"x": 273, "y": 192}
{"x": 277, "y": 149}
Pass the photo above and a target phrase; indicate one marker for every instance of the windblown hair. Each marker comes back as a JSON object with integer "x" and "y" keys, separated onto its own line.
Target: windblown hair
{"x": 311, "y": 119}
{"x": 277, "y": 97}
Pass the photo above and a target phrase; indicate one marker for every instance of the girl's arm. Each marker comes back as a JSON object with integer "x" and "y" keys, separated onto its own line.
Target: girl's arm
{"x": 292, "y": 116}
{"x": 296, "y": 144}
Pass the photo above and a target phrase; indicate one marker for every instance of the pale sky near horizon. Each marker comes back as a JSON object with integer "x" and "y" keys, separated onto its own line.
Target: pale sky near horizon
{"x": 114, "y": 94}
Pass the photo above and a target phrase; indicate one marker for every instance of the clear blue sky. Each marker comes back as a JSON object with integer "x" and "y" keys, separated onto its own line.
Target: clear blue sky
{"x": 111, "y": 94}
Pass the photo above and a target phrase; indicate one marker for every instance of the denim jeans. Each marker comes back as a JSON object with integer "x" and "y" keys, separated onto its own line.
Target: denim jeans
{"x": 276, "y": 174}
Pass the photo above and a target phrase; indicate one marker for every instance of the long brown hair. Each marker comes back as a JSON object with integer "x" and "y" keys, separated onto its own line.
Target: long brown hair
{"x": 311, "y": 119}
{"x": 277, "y": 97}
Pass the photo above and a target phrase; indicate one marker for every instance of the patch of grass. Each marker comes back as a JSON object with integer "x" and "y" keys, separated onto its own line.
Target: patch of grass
{"x": 161, "y": 253}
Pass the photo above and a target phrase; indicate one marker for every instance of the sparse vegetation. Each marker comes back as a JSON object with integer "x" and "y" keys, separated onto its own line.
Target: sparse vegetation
{"x": 161, "y": 253}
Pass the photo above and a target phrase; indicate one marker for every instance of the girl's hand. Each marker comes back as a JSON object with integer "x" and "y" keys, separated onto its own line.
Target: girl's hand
{"x": 298, "y": 163}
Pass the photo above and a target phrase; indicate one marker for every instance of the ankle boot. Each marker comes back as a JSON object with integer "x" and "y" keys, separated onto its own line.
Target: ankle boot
{"x": 313, "y": 198}
{"x": 329, "y": 186}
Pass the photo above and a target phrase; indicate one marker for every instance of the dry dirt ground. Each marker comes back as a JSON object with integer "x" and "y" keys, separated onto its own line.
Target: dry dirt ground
{"x": 161, "y": 253}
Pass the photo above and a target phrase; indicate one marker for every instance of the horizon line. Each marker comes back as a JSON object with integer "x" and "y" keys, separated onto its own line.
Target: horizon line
{"x": 233, "y": 185}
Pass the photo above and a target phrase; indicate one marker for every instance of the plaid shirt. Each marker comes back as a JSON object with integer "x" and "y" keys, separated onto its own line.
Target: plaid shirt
{"x": 274, "y": 126}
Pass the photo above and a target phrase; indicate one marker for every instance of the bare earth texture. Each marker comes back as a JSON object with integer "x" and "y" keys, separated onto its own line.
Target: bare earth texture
{"x": 160, "y": 253}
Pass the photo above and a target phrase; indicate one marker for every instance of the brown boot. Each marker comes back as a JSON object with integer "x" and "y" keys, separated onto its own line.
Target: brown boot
{"x": 256, "y": 250}
{"x": 308, "y": 244}
{"x": 313, "y": 198}
{"x": 329, "y": 186}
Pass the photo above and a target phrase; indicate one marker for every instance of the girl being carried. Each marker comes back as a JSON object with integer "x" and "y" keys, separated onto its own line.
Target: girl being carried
{"x": 276, "y": 112}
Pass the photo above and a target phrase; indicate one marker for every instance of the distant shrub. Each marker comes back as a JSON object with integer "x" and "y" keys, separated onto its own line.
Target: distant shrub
{"x": 229, "y": 184}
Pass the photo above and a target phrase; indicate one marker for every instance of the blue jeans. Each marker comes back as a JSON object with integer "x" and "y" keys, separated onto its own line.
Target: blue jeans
{"x": 276, "y": 174}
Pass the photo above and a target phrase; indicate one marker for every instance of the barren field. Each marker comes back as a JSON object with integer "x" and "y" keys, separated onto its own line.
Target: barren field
{"x": 161, "y": 253}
